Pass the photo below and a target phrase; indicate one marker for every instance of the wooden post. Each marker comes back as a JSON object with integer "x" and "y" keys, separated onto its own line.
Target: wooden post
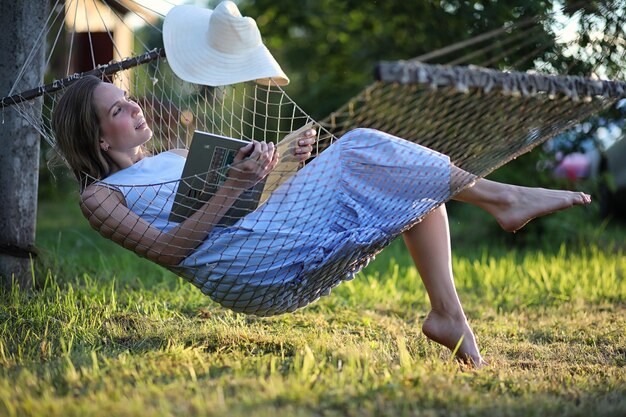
{"x": 19, "y": 141}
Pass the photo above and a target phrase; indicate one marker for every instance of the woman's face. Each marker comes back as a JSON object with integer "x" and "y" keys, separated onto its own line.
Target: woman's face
{"x": 122, "y": 124}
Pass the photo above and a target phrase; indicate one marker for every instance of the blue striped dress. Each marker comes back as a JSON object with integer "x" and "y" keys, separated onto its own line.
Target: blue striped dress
{"x": 316, "y": 230}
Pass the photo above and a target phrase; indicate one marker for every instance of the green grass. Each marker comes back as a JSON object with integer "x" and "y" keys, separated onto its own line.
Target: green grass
{"x": 107, "y": 333}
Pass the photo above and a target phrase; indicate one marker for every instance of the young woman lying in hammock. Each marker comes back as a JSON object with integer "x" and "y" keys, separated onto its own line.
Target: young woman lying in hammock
{"x": 370, "y": 185}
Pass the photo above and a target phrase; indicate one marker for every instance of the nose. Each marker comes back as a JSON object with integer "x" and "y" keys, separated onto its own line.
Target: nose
{"x": 135, "y": 109}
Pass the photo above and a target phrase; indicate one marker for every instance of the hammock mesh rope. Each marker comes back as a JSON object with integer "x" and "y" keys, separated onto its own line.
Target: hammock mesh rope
{"x": 480, "y": 118}
{"x": 325, "y": 220}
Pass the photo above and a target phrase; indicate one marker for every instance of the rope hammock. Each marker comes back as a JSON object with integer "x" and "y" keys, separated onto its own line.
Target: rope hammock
{"x": 318, "y": 227}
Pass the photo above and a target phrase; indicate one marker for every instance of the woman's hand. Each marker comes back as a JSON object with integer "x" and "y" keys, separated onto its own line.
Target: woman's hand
{"x": 304, "y": 145}
{"x": 251, "y": 164}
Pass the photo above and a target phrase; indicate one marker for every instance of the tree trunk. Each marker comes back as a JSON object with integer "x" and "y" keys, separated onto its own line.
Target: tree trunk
{"x": 22, "y": 21}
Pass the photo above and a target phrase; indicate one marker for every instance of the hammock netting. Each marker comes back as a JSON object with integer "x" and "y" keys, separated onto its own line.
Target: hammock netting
{"x": 323, "y": 220}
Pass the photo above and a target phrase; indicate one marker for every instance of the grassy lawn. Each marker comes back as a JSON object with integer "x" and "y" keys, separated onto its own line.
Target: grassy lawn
{"x": 106, "y": 333}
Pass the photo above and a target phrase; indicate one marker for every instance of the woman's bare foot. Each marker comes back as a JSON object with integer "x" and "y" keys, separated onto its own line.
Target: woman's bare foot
{"x": 447, "y": 331}
{"x": 522, "y": 204}
{"x": 513, "y": 206}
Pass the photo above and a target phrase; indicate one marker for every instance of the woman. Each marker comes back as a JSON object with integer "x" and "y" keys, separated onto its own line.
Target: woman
{"x": 363, "y": 190}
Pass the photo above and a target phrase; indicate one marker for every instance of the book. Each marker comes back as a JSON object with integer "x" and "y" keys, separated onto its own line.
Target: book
{"x": 209, "y": 158}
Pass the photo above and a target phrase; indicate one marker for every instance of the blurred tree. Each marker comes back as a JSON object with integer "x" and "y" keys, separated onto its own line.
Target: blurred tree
{"x": 19, "y": 158}
{"x": 600, "y": 39}
{"x": 600, "y": 52}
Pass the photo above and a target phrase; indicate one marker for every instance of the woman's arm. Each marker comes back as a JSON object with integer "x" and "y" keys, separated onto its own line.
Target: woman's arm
{"x": 107, "y": 212}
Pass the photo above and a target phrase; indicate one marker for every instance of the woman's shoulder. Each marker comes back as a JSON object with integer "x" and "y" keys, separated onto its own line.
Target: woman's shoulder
{"x": 150, "y": 166}
{"x": 97, "y": 187}
{"x": 96, "y": 193}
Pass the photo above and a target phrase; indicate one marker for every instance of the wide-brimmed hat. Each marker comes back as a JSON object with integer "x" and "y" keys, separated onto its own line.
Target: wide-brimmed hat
{"x": 218, "y": 47}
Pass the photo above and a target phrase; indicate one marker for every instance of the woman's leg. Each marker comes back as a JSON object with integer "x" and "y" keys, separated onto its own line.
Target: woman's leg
{"x": 429, "y": 245}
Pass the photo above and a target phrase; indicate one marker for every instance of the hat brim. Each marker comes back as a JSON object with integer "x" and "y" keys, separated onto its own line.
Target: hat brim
{"x": 185, "y": 34}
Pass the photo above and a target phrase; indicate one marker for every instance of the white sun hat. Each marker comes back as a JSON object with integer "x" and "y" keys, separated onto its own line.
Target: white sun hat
{"x": 218, "y": 47}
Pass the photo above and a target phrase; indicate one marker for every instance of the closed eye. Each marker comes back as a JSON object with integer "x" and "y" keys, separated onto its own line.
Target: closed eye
{"x": 116, "y": 107}
{"x": 128, "y": 99}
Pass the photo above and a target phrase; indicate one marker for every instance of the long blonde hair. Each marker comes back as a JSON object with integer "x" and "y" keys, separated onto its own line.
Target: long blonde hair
{"x": 76, "y": 127}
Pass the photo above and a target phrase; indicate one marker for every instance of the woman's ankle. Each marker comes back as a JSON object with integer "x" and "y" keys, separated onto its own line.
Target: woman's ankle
{"x": 455, "y": 313}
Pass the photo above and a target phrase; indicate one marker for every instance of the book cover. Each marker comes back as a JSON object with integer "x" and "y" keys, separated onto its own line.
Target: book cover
{"x": 206, "y": 168}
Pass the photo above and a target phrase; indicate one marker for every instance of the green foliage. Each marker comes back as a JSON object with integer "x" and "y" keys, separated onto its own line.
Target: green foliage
{"x": 330, "y": 48}
{"x": 602, "y": 25}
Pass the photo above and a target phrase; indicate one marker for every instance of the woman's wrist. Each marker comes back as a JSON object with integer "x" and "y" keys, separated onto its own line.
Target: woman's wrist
{"x": 234, "y": 187}
{"x": 215, "y": 208}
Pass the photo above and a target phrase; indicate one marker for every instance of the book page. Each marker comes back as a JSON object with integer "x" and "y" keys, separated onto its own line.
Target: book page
{"x": 288, "y": 164}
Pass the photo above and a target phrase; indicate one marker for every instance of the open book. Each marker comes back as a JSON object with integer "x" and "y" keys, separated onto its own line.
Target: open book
{"x": 206, "y": 168}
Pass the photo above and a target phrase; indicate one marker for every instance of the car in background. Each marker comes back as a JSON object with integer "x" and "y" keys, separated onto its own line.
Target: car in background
{"x": 607, "y": 167}
{"x": 595, "y": 150}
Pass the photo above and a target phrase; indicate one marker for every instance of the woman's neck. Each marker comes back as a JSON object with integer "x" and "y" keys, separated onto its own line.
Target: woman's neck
{"x": 123, "y": 160}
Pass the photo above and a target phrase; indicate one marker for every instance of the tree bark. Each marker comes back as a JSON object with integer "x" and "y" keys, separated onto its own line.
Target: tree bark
{"x": 22, "y": 21}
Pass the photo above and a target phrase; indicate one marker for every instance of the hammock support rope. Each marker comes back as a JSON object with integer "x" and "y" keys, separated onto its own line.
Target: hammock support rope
{"x": 513, "y": 82}
{"x": 101, "y": 71}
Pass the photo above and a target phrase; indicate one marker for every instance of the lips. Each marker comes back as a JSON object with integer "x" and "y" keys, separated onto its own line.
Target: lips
{"x": 141, "y": 124}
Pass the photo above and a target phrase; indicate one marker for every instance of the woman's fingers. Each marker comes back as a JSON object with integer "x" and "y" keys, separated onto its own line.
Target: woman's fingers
{"x": 264, "y": 151}
{"x": 303, "y": 150}
{"x": 263, "y": 159}
{"x": 273, "y": 162}
{"x": 252, "y": 163}
{"x": 255, "y": 155}
{"x": 304, "y": 147}
{"x": 243, "y": 152}
{"x": 307, "y": 140}
{"x": 269, "y": 156}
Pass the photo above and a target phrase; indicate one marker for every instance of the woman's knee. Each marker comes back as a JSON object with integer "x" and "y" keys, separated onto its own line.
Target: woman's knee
{"x": 362, "y": 132}
{"x": 365, "y": 136}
